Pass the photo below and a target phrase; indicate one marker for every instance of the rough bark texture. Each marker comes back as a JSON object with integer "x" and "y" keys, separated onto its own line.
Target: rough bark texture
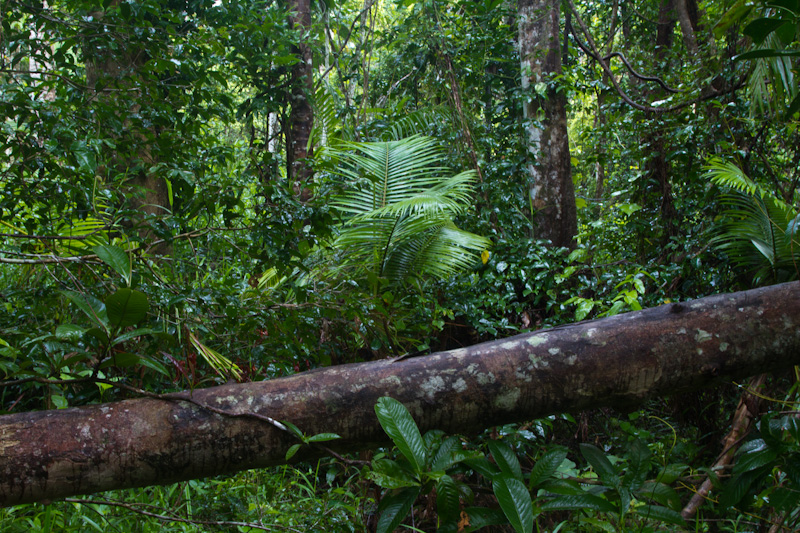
{"x": 301, "y": 117}
{"x": 551, "y": 190}
{"x": 615, "y": 361}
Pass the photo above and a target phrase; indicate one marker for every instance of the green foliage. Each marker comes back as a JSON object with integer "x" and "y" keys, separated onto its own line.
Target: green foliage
{"x": 100, "y": 99}
{"x": 758, "y": 231}
{"x": 307, "y": 498}
{"x": 767, "y": 469}
{"x": 399, "y": 207}
{"x": 776, "y": 40}
{"x": 619, "y": 488}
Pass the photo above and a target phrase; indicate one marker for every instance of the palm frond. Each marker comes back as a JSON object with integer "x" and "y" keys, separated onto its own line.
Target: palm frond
{"x": 730, "y": 175}
{"x": 771, "y": 83}
{"x": 399, "y": 206}
{"x": 419, "y": 122}
{"x": 756, "y": 235}
{"x": 328, "y": 129}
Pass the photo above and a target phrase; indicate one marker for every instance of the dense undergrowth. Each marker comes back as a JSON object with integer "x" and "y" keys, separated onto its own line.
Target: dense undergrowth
{"x": 240, "y": 280}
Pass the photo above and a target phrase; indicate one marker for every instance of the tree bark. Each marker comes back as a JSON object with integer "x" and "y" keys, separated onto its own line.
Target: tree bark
{"x": 688, "y": 25}
{"x": 552, "y": 193}
{"x": 301, "y": 116}
{"x": 616, "y": 361}
{"x": 116, "y": 61}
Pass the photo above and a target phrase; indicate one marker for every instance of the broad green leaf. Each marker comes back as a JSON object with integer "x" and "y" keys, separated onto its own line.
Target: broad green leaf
{"x": 662, "y": 514}
{"x": 671, "y": 473}
{"x": 515, "y": 501}
{"x": 482, "y": 466}
{"x": 638, "y": 465}
{"x": 126, "y": 307}
{"x": 59, "y": 401}
{"x": 566, "y": 487}
{"x": 506, "y": 459}
{"x": 121, "y": 360}
{"x": 448, "y": 506}
{"x": 660, "y": 493}
{"x": 166, "y": 337}
{"x": 323, "y": 437}
{"x": 481, "y": 517}
{"x": 293, "y": 429}
{"x": 116, "y": 258}
{"x": 734, "y": 15}
{"x": 75, "y": 359}
{"x": 86, "y": 160}
{"x": 448, "y": 454}
{"x": 401, "y": 428}
{"x": 629, "y": 209}
{"x": 391, "y": 475}
{"x": 394, "y": 508}
{"x": 99, "y": 334}
{"x": 91, "y": 307}
{"x": 152, "y": 364}
{"x": 70, "y": 332}
{"x": 761, "y": 27}
{"x": 785, "y": 499}
{"x": 756, "y": 458}
{"x": 793, "y": 108}
{"x": 579, "y": 502}
{"x": 293, "y": 449}
{"x": 600, "y": 463}
{"x": 135, "y": 334}
{"x": 585, "y": 307}
{"x": 546, "y": 466}
{"x": 766, "y": 53}
{"x": 737, "y": 487}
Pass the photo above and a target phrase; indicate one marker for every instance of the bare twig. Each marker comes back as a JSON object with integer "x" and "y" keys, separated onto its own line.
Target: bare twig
{"x": 742, "y": 421}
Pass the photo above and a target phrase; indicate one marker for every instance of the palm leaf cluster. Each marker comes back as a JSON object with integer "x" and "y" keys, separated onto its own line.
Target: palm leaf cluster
{"x": 399, "y": 204}
{"x": 758, "y": 232}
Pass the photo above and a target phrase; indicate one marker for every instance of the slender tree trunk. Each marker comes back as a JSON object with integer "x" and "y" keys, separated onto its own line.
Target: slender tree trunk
{"x": 657, "y": 169}
{"x": 551, "y": 191}
{"x": 600, "y": 116}
{"x": 301, "y": 116}
{"x": 665, "y": 27}
{"x": 616, "y": 361}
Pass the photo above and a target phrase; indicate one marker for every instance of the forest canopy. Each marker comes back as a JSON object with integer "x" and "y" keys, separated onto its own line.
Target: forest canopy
{"x": 202, "y": 192}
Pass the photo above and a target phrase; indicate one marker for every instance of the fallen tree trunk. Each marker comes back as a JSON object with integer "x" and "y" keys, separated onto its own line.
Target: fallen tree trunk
{"x": 614, "y": 361}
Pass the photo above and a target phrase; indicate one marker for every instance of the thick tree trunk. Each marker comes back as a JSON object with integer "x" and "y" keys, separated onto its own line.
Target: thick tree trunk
{"x": 688, "y": 25}
{"x": 615, "y": 361}
{"x": 551, "y": 190}
{"x": 115, "y": 62}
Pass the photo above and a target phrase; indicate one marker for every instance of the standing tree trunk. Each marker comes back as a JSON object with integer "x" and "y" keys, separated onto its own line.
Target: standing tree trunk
{"x": 552, "y": 194}
{"x": 600, "y": 116}
{"x": 301, "y": 116}
{"x": 657, "y": 170}
{"x": 688, "y": 22}
{"x": 113, "y": 61}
